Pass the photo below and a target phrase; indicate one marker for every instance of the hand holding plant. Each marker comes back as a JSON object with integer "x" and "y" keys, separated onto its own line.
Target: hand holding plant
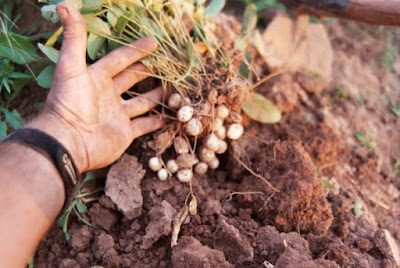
{"x": 84, "y": 109}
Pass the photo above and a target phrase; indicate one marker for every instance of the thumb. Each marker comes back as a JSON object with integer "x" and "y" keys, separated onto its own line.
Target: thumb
{"x": 72, "y": 61}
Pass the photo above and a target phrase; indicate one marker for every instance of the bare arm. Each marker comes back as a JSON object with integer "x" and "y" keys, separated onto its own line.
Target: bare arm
{"x": 86, "y": 114}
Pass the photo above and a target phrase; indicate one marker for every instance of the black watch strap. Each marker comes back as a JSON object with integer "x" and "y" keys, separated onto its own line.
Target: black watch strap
{"x": 55, "y": 152}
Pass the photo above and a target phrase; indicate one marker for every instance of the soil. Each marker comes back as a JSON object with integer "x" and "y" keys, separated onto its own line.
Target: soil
{"x": 336, "y": 203}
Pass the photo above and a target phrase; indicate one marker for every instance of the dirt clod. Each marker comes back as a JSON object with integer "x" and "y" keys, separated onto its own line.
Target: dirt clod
{"x": 123, "y": 186}
{"x": 235, "y": 246}
{"x": 190, "y": 253}
{"x": 160, "y": 223}
{"x": 80, "y": 238}
{"x": 102, "y": 217}
{"x": 69, "y": 263}
{"x": 300, "y": 204}
{"x": 102, "y": 244}
{"x": 387, "y": 245}
{"x": 275, "y": 243}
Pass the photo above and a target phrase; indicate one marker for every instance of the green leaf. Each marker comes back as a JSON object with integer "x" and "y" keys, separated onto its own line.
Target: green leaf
{"x": 364, "y": 140}
{"x": 215, "y": 7}
{"x": 327, "y": 184}
{"x": 396, "y": 167}
{"x": 51, "y": 53}
{"x": 94, "y": 44}
{"x": 258, "y": 108}
{"x": 244, "y": 69}
{"x": 122, "y": 21}
{"x": 49, "y": 13}
{"x": 396, "y": 108}
{"x": 3, "y": 130}
{"x": 249, "y": 21}
{"x": 114, "y": 14}
{"x": 91, "y": 6}
{"x": 89, "y": 177}
{"x": 17, "y": 48}
{"x": 62, "y": 221}
{"x": 112, "y": 45}
{"x": 98, "y": 27}
{"x": 99, "y": 30}
{"x": 18, "y": 75}
{"x": 45, "y": 78}
{"x": 194, "y": 61}
{"x": 81, "y": 207}
{"x": 241, "y": 42}
{"x": 6, "y": 85}
{"x": 67, "y": 236}
{"x": 77, "y": 3}
{"x": 13, "y": 118}
{"x": 112, "y": 18}
{"x": 19, "y": 84}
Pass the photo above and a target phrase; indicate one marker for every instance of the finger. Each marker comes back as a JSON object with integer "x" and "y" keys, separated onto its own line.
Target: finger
{"x": 144, "y": 103}
{"x": 144, "y": 125}
{"x": 123, "y": 57}
{"x": 130, "y": 76}
{"x": 72, "y": 61}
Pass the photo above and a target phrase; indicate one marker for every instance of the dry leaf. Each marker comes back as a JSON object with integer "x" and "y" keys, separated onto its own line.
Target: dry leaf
{"x": 258, "y": 108}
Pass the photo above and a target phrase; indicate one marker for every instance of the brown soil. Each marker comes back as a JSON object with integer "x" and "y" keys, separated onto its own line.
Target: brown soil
{"x": 243, "y": 222}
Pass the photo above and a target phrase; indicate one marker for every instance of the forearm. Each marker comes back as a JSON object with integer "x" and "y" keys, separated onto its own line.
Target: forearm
{"x": 32, "y": 195}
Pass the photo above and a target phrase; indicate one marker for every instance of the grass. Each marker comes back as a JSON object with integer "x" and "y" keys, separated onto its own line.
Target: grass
{"x": 396, "y": 167}
{"x": 364, "y": 140}
{"x": 265, "y": 4}
{"x": 16, "y": 51}
{"x": 390, "y": 53}
{"x": 337, "y": 95}
{"x": 396, "y": 108}
{"x": 77, "y": 206}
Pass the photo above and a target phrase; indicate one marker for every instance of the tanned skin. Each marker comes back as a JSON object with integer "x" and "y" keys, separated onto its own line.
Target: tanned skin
{"x": 87, "y": 115}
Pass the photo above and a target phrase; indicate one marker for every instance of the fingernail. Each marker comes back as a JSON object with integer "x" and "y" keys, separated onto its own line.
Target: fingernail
{"x": 62, "y": 12}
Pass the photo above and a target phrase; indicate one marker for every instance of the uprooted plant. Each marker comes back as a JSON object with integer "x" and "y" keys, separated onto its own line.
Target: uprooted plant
{"x": 77, "y": 206}
{"x": 209, "y": 82}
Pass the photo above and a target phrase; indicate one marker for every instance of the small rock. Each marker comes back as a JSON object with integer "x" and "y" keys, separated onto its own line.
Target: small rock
{"x": 111, "y": 258}
{"x": 275, "y": 243}
{"x": 160, "y": 223}
{"x": 293, "y": 258}
{"x": 387, "y": 245}
{"x": 102, "y": 217}
{"x": 102, "y": 244}
{"x": 364, "y": 244}
{"x": 80, "y": 238}
{"x": 83, "y": 259}
{"x": 106, "y": 202}
{"x": 235, "y": 246}
{"x": 190, "y": 253}
{"x": 123, "y": 186}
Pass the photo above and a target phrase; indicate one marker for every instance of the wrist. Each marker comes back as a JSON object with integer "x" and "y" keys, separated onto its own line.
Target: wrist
{"x": 65, "y": 134}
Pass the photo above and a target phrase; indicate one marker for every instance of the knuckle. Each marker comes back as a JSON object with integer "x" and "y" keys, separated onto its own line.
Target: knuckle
{"x": 76, "y": 29}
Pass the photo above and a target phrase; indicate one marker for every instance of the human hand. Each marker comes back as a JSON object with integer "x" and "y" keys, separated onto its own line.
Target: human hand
{"x": 84, "y": 109}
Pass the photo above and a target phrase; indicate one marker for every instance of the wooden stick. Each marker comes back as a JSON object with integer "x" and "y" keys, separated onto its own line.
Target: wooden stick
{"x": 381, "y": 12}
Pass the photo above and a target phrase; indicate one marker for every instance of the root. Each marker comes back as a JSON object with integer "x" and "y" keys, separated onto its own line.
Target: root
{"x": 230, "y": 196}
{"x": 265, "y": 79}
{"x": 177, "y": 223}
{"x": 254, "y": 173}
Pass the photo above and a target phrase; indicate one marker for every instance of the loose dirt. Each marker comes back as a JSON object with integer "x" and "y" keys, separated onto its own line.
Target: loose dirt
{"x": 324, "y": 178}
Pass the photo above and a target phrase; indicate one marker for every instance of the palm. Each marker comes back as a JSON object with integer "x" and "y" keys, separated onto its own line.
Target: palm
{"x": 89, "y": 98}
